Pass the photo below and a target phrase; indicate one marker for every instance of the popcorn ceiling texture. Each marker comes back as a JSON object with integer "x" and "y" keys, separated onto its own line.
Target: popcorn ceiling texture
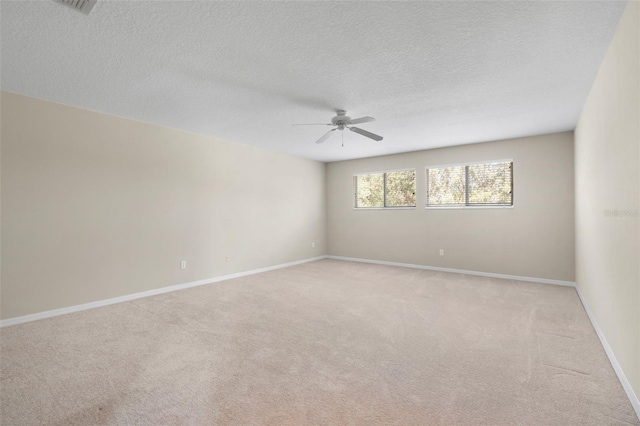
{"x": 432, "y": 73}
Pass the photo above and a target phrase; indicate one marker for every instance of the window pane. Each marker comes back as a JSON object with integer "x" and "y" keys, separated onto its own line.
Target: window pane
{"x": 370, "y": 190}
{"x": 401, "y": 189}
{"x": 490, "y": 184}
{"x": 445, "y": 186}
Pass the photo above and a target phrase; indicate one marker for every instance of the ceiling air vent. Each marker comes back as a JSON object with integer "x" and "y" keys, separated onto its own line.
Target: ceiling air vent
{"x": 83, "y": 6}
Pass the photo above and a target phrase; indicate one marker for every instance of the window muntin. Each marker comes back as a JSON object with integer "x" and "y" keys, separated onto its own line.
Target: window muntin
{"x": 486, "y": 184}
{"x": 390, "y": 189}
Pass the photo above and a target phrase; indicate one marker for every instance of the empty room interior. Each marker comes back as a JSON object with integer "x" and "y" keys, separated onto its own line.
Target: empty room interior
{"x": 319, "y": 212}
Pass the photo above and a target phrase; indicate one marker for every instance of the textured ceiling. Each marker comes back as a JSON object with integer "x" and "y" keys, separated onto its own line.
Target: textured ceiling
{"x": 433, "y": 74}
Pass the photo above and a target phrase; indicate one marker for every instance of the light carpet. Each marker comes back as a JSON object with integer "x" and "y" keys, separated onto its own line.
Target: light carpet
{"x": 328, "y": 342}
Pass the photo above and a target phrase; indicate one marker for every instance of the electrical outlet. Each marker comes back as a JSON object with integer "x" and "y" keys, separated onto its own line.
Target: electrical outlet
{"x": 227, "y": 258}
{"x": 183, "y": 264}
{"x": 313, "y": 245}
{"x": 441, "y": 252}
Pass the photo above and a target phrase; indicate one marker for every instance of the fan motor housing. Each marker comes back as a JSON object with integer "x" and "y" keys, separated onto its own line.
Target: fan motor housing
{"x": 341, "y": 119}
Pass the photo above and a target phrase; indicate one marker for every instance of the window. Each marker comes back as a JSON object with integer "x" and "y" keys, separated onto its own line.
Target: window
{"x": 385, "y": 189}
{"x": 487, "y": 184}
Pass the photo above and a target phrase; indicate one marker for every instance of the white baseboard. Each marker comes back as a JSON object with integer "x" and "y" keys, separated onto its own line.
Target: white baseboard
{"x": 62, "y": 311}
{"x": 77, "y": 308}
{"x": 612, "y": 358}
{"x": 614, "y": 362}
{"x": 457, "y": 271}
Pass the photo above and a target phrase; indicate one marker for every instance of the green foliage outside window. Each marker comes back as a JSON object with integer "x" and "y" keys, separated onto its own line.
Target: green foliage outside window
{"x": 401, "y": 188}
{"x": 489, "y": 184}
{"x": 390, "y": 189}
{"x": 446, "y": 186}
{"x": 370, "y": 190}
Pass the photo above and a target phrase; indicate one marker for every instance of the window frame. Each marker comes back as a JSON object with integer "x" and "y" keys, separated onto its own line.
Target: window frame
{"x": 466, "y": 186}
{"x": 384, "y": 189}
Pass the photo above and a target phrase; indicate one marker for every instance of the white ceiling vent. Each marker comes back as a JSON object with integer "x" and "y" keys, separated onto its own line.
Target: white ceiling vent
{"x": 83, "y": 6}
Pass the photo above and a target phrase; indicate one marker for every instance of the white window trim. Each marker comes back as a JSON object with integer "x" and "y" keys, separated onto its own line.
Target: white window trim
{"x": 385, "y": 208}
{"x": 470, "y": 163}
{"x": 386, "y": 171}
{"x": 467, "y": 207}
{"x": 435, "y": 207}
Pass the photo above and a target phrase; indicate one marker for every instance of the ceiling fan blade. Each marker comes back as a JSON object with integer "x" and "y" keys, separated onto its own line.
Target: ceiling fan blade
{"x": 365, "y": 133}
{"x": 362, "y": 120}
{"x": 325, "y": 136}
{"x": 314, "y": 124}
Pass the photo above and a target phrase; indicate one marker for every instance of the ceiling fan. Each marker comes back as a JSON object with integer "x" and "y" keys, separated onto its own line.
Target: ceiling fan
{"x": 341, "y": 122}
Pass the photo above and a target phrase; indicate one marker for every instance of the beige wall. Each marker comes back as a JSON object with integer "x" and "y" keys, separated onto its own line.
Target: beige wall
{"x": 607, "y": 158}
{"x": 535, "y": 238}
{"x": 95, "y": 206}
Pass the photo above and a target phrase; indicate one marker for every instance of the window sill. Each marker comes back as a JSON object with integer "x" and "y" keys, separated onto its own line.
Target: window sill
{"x": 466, "y": 207}
{"x": 384, "y": 208}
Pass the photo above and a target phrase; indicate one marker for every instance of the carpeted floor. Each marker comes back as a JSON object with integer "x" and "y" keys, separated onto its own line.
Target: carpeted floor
{"x": 327, "y": 342}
